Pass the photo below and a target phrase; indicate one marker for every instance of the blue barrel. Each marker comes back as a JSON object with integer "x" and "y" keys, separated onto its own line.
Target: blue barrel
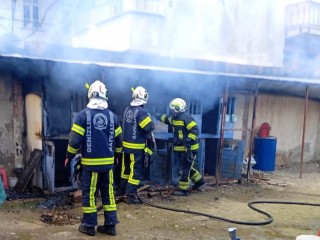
{"x": 265, "y": 153}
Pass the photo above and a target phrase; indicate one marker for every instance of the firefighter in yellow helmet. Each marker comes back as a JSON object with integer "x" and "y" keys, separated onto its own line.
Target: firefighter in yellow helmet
{"x": 96, "y": 134}
{"x": 185, "y": 145}
{"x": 136, "y": 144}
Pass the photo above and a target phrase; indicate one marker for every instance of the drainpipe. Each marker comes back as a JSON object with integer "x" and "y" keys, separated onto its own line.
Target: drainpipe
{"x": 252, "y": 129}
{"x": 222, "y": 126}
{"x": 304, "y": 126}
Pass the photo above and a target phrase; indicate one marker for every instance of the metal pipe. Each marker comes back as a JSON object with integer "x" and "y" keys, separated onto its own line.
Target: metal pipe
{"x": 304, "y": 127}
{"x": 222, "y": 126}
{"x": 253, "y": 123}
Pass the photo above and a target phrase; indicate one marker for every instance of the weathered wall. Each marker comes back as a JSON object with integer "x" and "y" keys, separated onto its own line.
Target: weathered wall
{"x": 7, "y": 146}
{"x": 18, "y": 121}
{"x": 285, "y": 115}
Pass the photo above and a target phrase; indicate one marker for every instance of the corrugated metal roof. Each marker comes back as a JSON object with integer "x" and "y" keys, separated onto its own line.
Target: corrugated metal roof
{"x": 241, "y": 77}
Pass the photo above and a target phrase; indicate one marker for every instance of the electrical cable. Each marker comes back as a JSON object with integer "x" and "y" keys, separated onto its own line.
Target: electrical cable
{"x": 250, "y": 204}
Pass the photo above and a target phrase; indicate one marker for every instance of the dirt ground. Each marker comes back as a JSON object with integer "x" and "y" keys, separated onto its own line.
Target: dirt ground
{"x": 21, "y": 219}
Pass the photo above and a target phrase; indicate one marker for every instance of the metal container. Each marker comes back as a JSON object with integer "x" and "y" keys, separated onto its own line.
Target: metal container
{"x": 265, "y": 153}
{"x": 232, "y": 158}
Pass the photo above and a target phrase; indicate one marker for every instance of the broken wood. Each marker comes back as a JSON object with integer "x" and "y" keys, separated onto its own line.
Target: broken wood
{"x": 28, "y": 170}
{"x": 143, "y": 188}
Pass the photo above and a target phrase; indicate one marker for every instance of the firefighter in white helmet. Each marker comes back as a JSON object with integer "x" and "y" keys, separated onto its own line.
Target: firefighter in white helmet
{"x": 185, "y": 145}
{"x": 136, "y": 144}
{"x": 96, "y": 134}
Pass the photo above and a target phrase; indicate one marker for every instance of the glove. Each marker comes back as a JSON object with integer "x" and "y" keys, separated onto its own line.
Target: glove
{"x": 77, "y": 170}
{"x": 159, "y": 116}
{"x": 117, "y": 158}
{"x": 190, "y": 156}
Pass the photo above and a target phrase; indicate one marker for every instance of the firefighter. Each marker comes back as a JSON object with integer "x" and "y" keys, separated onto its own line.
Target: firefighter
{"x": 185, "y": 145}
{"x": 96, "y": 133}
{"x": 137, "y": 128}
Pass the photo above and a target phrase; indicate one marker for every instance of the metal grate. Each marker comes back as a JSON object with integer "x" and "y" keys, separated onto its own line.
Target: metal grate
{"x": 303, "y": 17}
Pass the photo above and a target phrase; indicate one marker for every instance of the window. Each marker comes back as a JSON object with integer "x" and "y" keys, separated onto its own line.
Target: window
{"x": 31, "y": 13}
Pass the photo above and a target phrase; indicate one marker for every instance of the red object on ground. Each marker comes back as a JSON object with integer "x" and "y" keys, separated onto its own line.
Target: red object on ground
{"x": 4, "y": 178}
{"x": 264, "y": 130}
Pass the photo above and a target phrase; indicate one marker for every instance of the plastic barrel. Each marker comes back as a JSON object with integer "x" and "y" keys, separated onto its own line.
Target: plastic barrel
{"x": 265, "y": 153}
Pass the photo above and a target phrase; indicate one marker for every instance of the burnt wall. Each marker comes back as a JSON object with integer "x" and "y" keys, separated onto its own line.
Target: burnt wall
{"x": 7, "y": 146}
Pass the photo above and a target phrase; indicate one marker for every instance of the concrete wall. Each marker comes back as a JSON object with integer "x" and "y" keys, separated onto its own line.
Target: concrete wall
{"x": 285, "y": 115}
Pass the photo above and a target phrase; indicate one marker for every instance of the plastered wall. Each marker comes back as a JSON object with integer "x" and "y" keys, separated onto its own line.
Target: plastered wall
{"x": 285, "y": 115}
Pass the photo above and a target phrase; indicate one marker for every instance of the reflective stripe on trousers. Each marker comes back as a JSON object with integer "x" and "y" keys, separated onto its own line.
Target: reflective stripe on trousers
{"x": 92, "y": 183}
{"x": 132, "y": 170}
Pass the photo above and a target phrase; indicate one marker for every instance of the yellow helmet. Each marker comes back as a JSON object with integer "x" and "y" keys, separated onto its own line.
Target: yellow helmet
{"x": 178, "y": 105}
{"x": 98, "y": 90}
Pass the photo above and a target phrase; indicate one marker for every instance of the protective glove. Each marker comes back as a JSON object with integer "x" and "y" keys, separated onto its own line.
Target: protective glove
{"x": 117, "y": 158}
{"x": 190, "y": 156}
{"x": 77, "y": 170}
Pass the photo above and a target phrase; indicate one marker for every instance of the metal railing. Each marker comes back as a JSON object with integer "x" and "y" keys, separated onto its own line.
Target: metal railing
{"x": 117, "y": 7}
{"x": 303, "y": 17}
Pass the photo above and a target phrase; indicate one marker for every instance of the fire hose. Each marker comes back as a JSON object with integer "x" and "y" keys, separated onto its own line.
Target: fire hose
{"x": 250, "y": 205}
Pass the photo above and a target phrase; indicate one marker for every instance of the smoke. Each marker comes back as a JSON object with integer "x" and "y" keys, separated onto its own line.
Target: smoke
{"x": 249, "y": 32}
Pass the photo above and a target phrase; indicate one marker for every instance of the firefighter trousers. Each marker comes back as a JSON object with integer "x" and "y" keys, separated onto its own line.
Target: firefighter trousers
{"x": 132, "y": 172}
{"x": 92, "y": 183}
{"x": 186, "y": 169}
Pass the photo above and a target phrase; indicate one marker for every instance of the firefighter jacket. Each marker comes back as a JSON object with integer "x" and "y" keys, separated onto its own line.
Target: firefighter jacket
{"x": 137, "y": 127}
{"x": 97, "y": 135}
{"x": 185, "y": 131}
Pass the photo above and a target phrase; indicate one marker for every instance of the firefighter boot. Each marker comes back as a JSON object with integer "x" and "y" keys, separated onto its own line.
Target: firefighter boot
{"x": 107, "y": 229}
{"x": 87, "y": 230}
{"x": 133, "y": 199}
{"x": 181, "y": 193}
{"x": 199, "y": 185}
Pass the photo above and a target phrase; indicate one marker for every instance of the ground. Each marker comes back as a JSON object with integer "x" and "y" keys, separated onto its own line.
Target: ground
{"x": 21, "y": 219}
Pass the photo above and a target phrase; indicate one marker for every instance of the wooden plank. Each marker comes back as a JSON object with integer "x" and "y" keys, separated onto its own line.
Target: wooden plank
{"x": 28, "y": 170}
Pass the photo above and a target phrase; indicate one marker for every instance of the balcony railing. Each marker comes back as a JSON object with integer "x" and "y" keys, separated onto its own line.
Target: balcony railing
{"x": 303, "y": 17}
{"x": 117, "y": 7}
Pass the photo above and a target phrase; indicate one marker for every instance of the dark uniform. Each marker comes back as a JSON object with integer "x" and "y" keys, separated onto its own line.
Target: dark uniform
{"x": 185, "y": 147}
{"x": 137, "y": 126}
{"x": 96, "y": 133}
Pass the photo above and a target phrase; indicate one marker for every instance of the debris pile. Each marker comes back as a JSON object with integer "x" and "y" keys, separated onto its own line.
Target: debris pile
{"x": 59, "y": 217}
{"x": 14, "y": 195}
{"x": 57, "y": 199}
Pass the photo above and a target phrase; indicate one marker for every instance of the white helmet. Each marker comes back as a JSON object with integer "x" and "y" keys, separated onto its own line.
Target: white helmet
{"x": 139, "y": 96}
{"x": 98, "y": 90}
{"x": 178, "y": 105}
